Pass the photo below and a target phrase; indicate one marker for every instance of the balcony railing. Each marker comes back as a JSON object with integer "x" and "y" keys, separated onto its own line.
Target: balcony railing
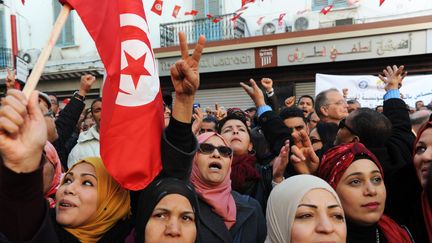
{"x": 225, "y": 29}
{"x": 6, "y": 58}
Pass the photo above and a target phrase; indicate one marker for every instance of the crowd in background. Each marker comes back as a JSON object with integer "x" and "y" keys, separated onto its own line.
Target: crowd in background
{"x": 318, "y": 169}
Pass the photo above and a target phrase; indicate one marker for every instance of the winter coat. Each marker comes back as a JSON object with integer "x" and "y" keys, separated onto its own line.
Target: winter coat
{"x": 87, "y": 146}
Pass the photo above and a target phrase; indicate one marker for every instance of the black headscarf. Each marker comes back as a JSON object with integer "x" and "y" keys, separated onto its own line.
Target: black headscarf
{"x": 151, "y": 196}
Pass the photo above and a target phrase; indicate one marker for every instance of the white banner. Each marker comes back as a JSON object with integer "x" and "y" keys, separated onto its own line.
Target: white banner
{"x": 369, "y": 90}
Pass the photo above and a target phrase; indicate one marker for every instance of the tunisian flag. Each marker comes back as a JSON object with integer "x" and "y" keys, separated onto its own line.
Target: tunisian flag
{"x": 132, "y": 107}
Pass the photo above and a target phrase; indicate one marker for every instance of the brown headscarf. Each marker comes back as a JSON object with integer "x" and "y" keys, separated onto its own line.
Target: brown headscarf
{"x": 113, "y": 204}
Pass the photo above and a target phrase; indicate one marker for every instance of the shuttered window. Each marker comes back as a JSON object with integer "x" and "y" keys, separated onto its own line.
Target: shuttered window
{"x": 67, "y": 35}
{"x": 304, "y": 89}
{"x": 205, "y": 7}
{"x": 317, "y": 5}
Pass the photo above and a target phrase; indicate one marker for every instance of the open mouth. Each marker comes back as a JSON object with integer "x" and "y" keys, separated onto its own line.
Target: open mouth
{"x": 215, "y": 166}
{"x": 66, "y": 204}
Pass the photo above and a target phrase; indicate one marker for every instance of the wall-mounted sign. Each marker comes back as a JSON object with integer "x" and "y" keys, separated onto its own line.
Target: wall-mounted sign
{"x": 401, "y": 44}
{"x": 215, "y": 62}
{"x": 266, "y": 57}
{"x": 22, "y": 70}
{"x": 429, "y": 41}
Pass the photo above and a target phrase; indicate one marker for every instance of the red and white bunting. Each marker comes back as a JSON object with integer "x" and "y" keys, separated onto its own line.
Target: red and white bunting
{"x": 260, "y": 19}
{"x": 326, "y": 9}
{"x": 176, "y": 11}
{"x": 157, "y": 7}
{"x": 193, "y": 12}
{"x": 381, "y": 2}
{"x": 281, "y": 16}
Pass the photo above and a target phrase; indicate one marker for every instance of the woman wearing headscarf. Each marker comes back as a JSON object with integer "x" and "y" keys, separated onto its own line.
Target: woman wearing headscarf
{"x": 357, "y": 177}
{"x": 225, "y": 215}
{"x": 304, "y": 208}
{"x": 51, "y": 173}
{"x": 167, "y": 211}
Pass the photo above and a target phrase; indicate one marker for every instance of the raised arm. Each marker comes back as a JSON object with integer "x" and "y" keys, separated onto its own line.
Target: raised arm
{"x": 23, "y": 134}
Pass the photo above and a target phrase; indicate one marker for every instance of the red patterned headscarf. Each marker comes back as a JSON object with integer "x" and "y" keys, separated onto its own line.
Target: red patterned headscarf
{"x": 337, "y": 160}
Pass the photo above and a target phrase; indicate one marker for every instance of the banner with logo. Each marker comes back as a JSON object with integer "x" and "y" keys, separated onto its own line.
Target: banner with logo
{"x": 369, "y": 90}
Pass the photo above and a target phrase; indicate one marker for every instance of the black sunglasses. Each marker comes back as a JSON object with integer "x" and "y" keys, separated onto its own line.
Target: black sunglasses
{"x": 207, "y": 148}
{"x": 342, "y": 124}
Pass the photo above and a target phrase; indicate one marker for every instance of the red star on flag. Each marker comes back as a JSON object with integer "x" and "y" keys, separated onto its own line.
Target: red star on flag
{"x": 326, "y": 9}
{"x": 135, "y": 68}
{"x": 381, "y": 2}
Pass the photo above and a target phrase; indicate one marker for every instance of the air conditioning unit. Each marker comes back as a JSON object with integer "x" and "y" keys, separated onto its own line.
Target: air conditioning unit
{"x": 273, "y": 27}
{"x": 306, "y": 21}
{"x": 30, "y": 56}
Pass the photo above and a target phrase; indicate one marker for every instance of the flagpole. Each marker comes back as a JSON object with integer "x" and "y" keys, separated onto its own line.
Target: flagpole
{"x": 38, "y": 68}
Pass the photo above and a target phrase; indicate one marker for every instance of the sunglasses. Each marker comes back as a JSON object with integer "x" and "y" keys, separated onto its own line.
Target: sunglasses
{"x": 342, "y": 124}
{"x": 224, "y": 151}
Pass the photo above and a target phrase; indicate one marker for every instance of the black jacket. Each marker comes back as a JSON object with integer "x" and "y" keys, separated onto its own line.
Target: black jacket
{"x": 250, "y": 226}
{"x": 66, "y": 124}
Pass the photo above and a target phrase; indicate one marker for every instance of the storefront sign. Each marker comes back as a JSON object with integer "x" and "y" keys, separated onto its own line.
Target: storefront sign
{"x": 215, "y": 62}
{"x": 401, "y": 44}
{"x": 266, "y": 57}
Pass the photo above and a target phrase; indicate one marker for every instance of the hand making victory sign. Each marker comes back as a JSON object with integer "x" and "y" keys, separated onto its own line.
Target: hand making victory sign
{"x": 185, "y": 78}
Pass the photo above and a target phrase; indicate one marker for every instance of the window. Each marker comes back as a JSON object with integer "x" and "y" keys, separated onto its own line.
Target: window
{"x": 317, "y": 5}
{"x": 205, "y": 7}
{"x": 67, "y": 35}
{"x": 2, "y": 28}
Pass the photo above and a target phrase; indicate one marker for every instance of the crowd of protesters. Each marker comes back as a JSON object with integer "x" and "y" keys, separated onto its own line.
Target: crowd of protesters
{"x": 319, "y": 169}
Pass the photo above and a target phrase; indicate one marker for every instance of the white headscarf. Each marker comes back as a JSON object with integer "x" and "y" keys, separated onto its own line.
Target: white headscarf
{"x": 283, "y": 202}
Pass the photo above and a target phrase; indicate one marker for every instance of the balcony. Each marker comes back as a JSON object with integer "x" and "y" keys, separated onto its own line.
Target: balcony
{"x": 225, "y": 29}
{"x": 6, "y": 58}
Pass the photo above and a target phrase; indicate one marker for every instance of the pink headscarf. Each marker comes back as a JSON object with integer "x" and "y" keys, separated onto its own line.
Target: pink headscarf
{"x": 218, "y": 197}
{"x": 53, "y": 158}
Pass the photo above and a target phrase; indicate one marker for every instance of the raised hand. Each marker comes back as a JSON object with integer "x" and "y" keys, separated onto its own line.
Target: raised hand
{"x": 23, "y": 131}
{"x": 86, "y": 83}
{"x": 281, "y": 162}
{"x": 185, "y": 72}
{"x": 220, "y": 113}
{"x": 254, "y": 92}
{"x": 393, "y": 77}
{"x": 198, "y": 117}
{"x": 185, "y": 78}
{"x": 267, "y": 83}
{"x": 303, "y": 157}
{"x": 290, "y": 101}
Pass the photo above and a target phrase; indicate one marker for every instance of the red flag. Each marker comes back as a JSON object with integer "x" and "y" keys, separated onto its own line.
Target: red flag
{"x": 244, "y": 2}
{"x": 209, "y": 16}
{"x": 281, "y": 16}
{"x": 176, "y": 11}
{"x": 23, "y": 2}
{"x": 193, "y": 12}
{"x": 235, "y": 17}
{"x": 217, "y": 19}
{"x": 260, "y": 19}
{"x": 132, "y": 114}
{"x": 326, "y": 9}
{"x": 157, "y": 7}
{"x": 241, "y": 9}
{"x": 381, "y": 2}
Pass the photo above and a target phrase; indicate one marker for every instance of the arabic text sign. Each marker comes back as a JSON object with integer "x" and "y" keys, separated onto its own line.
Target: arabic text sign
{"x": 369, "y": 90}
{"x": 401, "y": 44}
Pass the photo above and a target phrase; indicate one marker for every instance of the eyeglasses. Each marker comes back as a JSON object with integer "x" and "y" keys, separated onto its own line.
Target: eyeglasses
{"x": 50, "y": 113}
{"x": 342, "y": 124}
{"x": 224, "y": 151}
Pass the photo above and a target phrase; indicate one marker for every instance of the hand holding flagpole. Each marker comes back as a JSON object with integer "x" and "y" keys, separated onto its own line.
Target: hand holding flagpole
{"x": 33, "y": 79}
